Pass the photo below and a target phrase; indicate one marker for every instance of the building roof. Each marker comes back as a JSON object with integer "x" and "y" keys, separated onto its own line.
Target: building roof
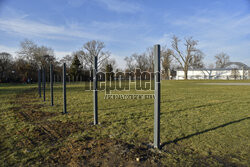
{"x": 239, "y": 64}
{"x": 211, "y": 69}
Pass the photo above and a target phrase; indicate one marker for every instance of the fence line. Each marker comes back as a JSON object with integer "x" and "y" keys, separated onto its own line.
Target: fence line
{"x": 51, "y": 85}
{"x": 64, "y": 89}
{"x": 95, "y": 100}
{"x": 53, "y": 78}
{"x": 39, "y": 83}
{"x": 44, "y": 84}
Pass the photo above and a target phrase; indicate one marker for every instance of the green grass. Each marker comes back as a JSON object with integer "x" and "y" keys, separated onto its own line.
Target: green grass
{"x": 200, "y": 124}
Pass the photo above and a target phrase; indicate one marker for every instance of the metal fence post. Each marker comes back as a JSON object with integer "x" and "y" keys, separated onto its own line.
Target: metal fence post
{"x": 95, "y": 91}
{"x": 39, "y": 83}
{"x": 51, "y": 84}
{"x": 64, "y": 89}
{"x": 44, "y": 84}
{"x": 157, "y": 102}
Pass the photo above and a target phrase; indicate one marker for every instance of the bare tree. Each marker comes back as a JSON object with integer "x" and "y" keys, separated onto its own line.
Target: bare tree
{"x": 67, "y": 59}
{"x": 197, "y": 60}
{"x": 141, "y": 61}
{"x": 244, "y": 73}
{"x": 221, "y": 60}
{"x": 235, "y": 74}
{"x": 150, "y": 57}
{"x": 27, "y": 50}
{"x": 5, "y": 65}
{"x": 111, "y": 62}
{"x": 166, "y": 61}
{"x": 184, "y": 58}
{"x": 130, "y": 63}
{"x": 35, "y": 54}
{"x": 91, "y": 49}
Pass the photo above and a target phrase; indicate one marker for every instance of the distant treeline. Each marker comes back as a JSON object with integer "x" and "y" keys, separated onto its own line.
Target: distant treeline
{"x": 31, "y": 57}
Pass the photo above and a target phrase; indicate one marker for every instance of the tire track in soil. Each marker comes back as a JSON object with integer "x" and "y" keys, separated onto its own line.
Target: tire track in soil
{"x": 45, "y": 131}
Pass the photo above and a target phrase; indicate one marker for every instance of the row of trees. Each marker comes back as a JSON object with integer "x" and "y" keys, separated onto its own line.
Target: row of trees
{"x": 26, "y": 64}
{"x": 184, "y": 57}
{"x": 30, "y": 57}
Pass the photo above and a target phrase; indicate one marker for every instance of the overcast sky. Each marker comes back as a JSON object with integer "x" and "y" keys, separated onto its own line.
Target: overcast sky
{"x": 127, "y": 26}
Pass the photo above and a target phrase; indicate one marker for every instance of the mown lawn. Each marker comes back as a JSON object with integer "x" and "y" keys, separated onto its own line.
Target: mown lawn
{"x": 201, "y": 125}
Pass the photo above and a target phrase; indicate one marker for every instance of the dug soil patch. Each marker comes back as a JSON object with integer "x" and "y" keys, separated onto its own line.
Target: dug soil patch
{"x": 47, "y": 132}
{"x": 34, "y": 115}
{"x": 103, "y": 152}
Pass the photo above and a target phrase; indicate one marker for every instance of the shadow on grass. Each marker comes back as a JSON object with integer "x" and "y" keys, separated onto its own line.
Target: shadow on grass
{"x": 166, "y": 101}
{"x": 139, "y": 104}
{"x": 196, "y": 107}
{"x": 204, "y": 131}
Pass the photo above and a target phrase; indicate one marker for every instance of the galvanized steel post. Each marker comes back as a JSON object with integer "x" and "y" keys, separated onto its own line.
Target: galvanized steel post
{"x": 64, "y": 89}
{"x": 39, "y": 83}
{"x": 44, "y": 84}
{"x": 95, "y": 91}
{"x": 157, "y": 102}
{"x": 51, "y": 84}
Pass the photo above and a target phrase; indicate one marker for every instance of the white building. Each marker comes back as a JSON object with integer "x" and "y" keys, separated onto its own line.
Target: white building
{"x": 232, "y": 70}
{"x": 227, "y": 74}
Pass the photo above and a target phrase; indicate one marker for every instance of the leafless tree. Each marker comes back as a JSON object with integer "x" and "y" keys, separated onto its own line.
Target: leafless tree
{"x": 90, "y": 50}
{"x": 197, "y": 60}
{"x": 130, "y": 63}
{"x": 184, "y": 58}
{"x": 67, "y": 59}
{"x": 27, "y": 50}
{"x": 150, "y": 57}
{"x": 35, "y": 54}
{"x": 111, "y": 62}
{"x": 221, "y": 60}
{"x": 5, "y": 64}
{"x": 235, "y": 74}
{"x": 244, "y": 73}
{"x": 145, "y": 61}
{"x": 141, "y": 61}
{"x": 166, "y": 61}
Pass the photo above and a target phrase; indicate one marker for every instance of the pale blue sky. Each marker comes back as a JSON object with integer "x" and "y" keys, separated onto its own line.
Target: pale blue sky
{"x": 127, "y": 26}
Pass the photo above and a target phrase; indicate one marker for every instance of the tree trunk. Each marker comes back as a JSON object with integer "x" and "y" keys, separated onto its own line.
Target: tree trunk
{"x": 167, "y": 74}
{"x": 185, "y": 74}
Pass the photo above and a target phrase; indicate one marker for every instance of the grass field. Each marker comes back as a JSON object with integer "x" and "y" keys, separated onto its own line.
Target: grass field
{"x": 201, "y": 125}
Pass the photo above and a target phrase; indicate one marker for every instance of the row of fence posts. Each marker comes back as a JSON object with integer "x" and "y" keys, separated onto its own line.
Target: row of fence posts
{"x": 95, "y": 91}
{"x": 42, "y": 72}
